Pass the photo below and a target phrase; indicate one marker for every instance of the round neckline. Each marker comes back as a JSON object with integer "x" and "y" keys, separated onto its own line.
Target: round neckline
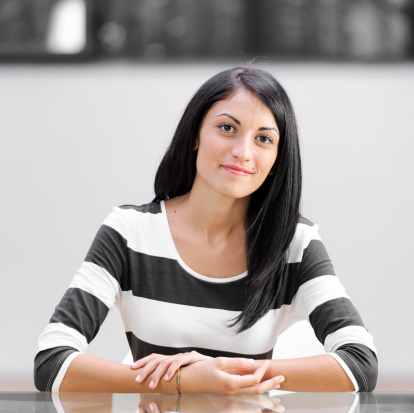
{"x": 183, "y": 264}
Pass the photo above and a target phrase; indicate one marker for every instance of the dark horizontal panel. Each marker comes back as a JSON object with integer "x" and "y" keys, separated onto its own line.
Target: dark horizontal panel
{"x": 140, "y": 349}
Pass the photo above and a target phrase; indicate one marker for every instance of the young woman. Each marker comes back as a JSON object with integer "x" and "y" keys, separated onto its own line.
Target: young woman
{"x": 215, "y": 268}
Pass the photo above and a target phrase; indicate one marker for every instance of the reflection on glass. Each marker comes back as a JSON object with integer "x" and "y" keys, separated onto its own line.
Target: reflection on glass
{"x": 205, "y": 403}
{"x": 210, "y": 403}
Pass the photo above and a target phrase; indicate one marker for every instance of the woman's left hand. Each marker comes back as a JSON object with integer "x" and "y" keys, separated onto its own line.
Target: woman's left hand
{"x": 161, "y": 365}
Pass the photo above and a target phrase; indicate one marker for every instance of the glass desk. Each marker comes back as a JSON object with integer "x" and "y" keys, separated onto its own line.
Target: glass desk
{"x": 275, "y": 401}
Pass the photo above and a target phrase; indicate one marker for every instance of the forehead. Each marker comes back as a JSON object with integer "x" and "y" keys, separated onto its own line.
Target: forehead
{"x": 244, "y": 104}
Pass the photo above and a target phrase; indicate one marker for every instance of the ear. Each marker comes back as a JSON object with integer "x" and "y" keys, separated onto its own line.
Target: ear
{"x": 195, "y": 147}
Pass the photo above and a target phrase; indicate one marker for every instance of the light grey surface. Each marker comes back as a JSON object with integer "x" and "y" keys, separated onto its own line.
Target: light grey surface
{"x": 201, "y": 403}
{"x": 77, "y": 140}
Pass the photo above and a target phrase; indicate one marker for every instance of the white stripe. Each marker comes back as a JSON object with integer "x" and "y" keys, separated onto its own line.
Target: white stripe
{"x": 60, "y": 376}
{"x": 318, "y": 291}
{"x": 174, "y": 325}
{"x": 304, "y": 234}
{"x": 346, "y": 369}
{"x": 97, "y": 281}
{"x": 57, "y": 334}
{"x": 348, "y": 335}
{"x": 144, "y": 232}
{"x": 57, "y": 403}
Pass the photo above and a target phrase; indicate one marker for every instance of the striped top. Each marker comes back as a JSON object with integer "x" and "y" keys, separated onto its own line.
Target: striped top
{"x": 169, "y": 308}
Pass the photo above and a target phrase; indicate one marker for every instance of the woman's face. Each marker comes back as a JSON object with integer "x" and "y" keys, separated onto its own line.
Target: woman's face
{"x": 237, "y": 145}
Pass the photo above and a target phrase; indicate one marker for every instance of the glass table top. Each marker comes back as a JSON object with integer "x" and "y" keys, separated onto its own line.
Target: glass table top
{"x": 275, "y": 401}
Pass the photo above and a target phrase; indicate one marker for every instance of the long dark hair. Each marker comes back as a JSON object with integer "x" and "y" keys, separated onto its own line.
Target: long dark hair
{"x": 274, "y": 208}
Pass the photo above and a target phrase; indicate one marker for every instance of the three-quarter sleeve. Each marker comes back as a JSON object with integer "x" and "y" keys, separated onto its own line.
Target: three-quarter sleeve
{"x": 94, "y": 290}
{"x": 333, "y": 316}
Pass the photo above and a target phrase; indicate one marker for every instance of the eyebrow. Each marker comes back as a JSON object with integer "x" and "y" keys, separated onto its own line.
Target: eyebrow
{"x": 238, "y": 122}
{"x": 231, "y": 117}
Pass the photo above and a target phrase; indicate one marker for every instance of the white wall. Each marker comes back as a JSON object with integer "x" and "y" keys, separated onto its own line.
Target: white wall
{"x": 76, "y": 140}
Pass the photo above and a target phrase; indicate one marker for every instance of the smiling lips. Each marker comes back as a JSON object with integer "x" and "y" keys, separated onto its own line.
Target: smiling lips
{"x": 236, "y": 170}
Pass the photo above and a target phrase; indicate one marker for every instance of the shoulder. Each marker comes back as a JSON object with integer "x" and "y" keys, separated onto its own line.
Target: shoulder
{"x": 125, "y": 218}
{"x": 306, "y": 242}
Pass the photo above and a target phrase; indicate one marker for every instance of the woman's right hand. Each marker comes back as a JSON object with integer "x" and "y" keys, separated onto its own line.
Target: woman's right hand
{"x": 164, "y": 366}
{"x": 211, "y": 376}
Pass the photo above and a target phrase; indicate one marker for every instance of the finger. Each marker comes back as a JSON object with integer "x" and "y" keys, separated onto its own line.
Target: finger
{"x": 225, "y": 363}
{"x": 249, "y": 379}
{"x": 183, "y": 360}
{"x": 159, "y": 372}
{"x": 142, "y": 362}
{"x": 262, "y": 387}
{"x": 148, "y": 369}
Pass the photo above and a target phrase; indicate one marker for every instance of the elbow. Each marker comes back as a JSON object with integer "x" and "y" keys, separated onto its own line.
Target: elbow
{"x": 363, "y": 364}
{"x": 371, "y": 375}
{"x": 40, "y": 375}
{"x": 47, "y": 364}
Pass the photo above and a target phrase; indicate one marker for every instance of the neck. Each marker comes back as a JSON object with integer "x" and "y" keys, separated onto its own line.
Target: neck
{"x": 212, "y": 215}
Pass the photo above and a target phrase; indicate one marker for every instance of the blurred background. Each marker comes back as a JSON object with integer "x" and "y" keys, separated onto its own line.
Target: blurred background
{"x": 90, "y": 95}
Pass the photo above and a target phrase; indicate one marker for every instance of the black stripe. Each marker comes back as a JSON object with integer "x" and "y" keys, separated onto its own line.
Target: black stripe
{"x": 109, "y": 251}
{"x": 140, "y": 349}
{"x": 81, "y": 311}
{"x": 47, "y": 365}
{"x": 315, "y": 263}
{"x": 165, "y": 280}
{"x": 152, "y": 208}
{"x": 332, "y": 316}
{"x": 363, "y": 364}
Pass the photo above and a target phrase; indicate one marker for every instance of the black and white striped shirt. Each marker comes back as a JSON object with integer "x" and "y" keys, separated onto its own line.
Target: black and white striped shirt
{"x": 168, "y": 308}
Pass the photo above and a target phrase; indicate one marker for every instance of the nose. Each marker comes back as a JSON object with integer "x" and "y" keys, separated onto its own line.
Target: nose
{"x": 242, "y": 149}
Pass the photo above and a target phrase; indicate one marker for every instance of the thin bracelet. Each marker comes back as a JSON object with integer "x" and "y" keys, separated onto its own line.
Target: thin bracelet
{"x": 177, "y": 405}
{"x": 177, "y": 380}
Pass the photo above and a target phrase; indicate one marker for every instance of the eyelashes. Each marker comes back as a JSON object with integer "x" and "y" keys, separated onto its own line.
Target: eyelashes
{"x": 229, "y": 128}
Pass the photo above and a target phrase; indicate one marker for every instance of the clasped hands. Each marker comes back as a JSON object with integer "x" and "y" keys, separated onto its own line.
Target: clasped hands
{"x": 203, "y": 374}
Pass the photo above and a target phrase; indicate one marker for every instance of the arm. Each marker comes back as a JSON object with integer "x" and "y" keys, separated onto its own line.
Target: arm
{"x": 90, "y": 374}
{"x": 320, "y": 373}
{"x": 321, "y": 298}
{"x": 78, "y": 317}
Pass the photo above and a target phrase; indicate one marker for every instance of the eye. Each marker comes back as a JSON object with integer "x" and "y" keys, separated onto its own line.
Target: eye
{"x": 227, "y": 127}
{"x": 266, "y": 139}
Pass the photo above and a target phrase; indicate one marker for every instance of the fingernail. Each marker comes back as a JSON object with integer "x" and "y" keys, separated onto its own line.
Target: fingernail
{"x": 250, "y": 362}
{"x": 138, "y": 378}
{"x": 279, "y": 409}
{"x": 166, "y": 377}
{"x": 151, "y": 385}
{"x": 276, "y": 387}
{"x": 281, "y": 380}
{"x": 151, "y": 406}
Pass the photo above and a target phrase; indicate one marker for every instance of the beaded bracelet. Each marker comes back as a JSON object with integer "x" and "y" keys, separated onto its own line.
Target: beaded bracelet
{"x": 177, "y": 405}
{"x": 177, "y": 380}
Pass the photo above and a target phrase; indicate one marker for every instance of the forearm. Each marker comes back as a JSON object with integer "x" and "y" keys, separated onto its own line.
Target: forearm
{"x": 312, "y": 374}
{"x": 91, "y": 374}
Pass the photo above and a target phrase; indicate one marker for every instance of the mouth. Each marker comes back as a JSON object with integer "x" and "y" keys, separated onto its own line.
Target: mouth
{"x": 236, "y": 170}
